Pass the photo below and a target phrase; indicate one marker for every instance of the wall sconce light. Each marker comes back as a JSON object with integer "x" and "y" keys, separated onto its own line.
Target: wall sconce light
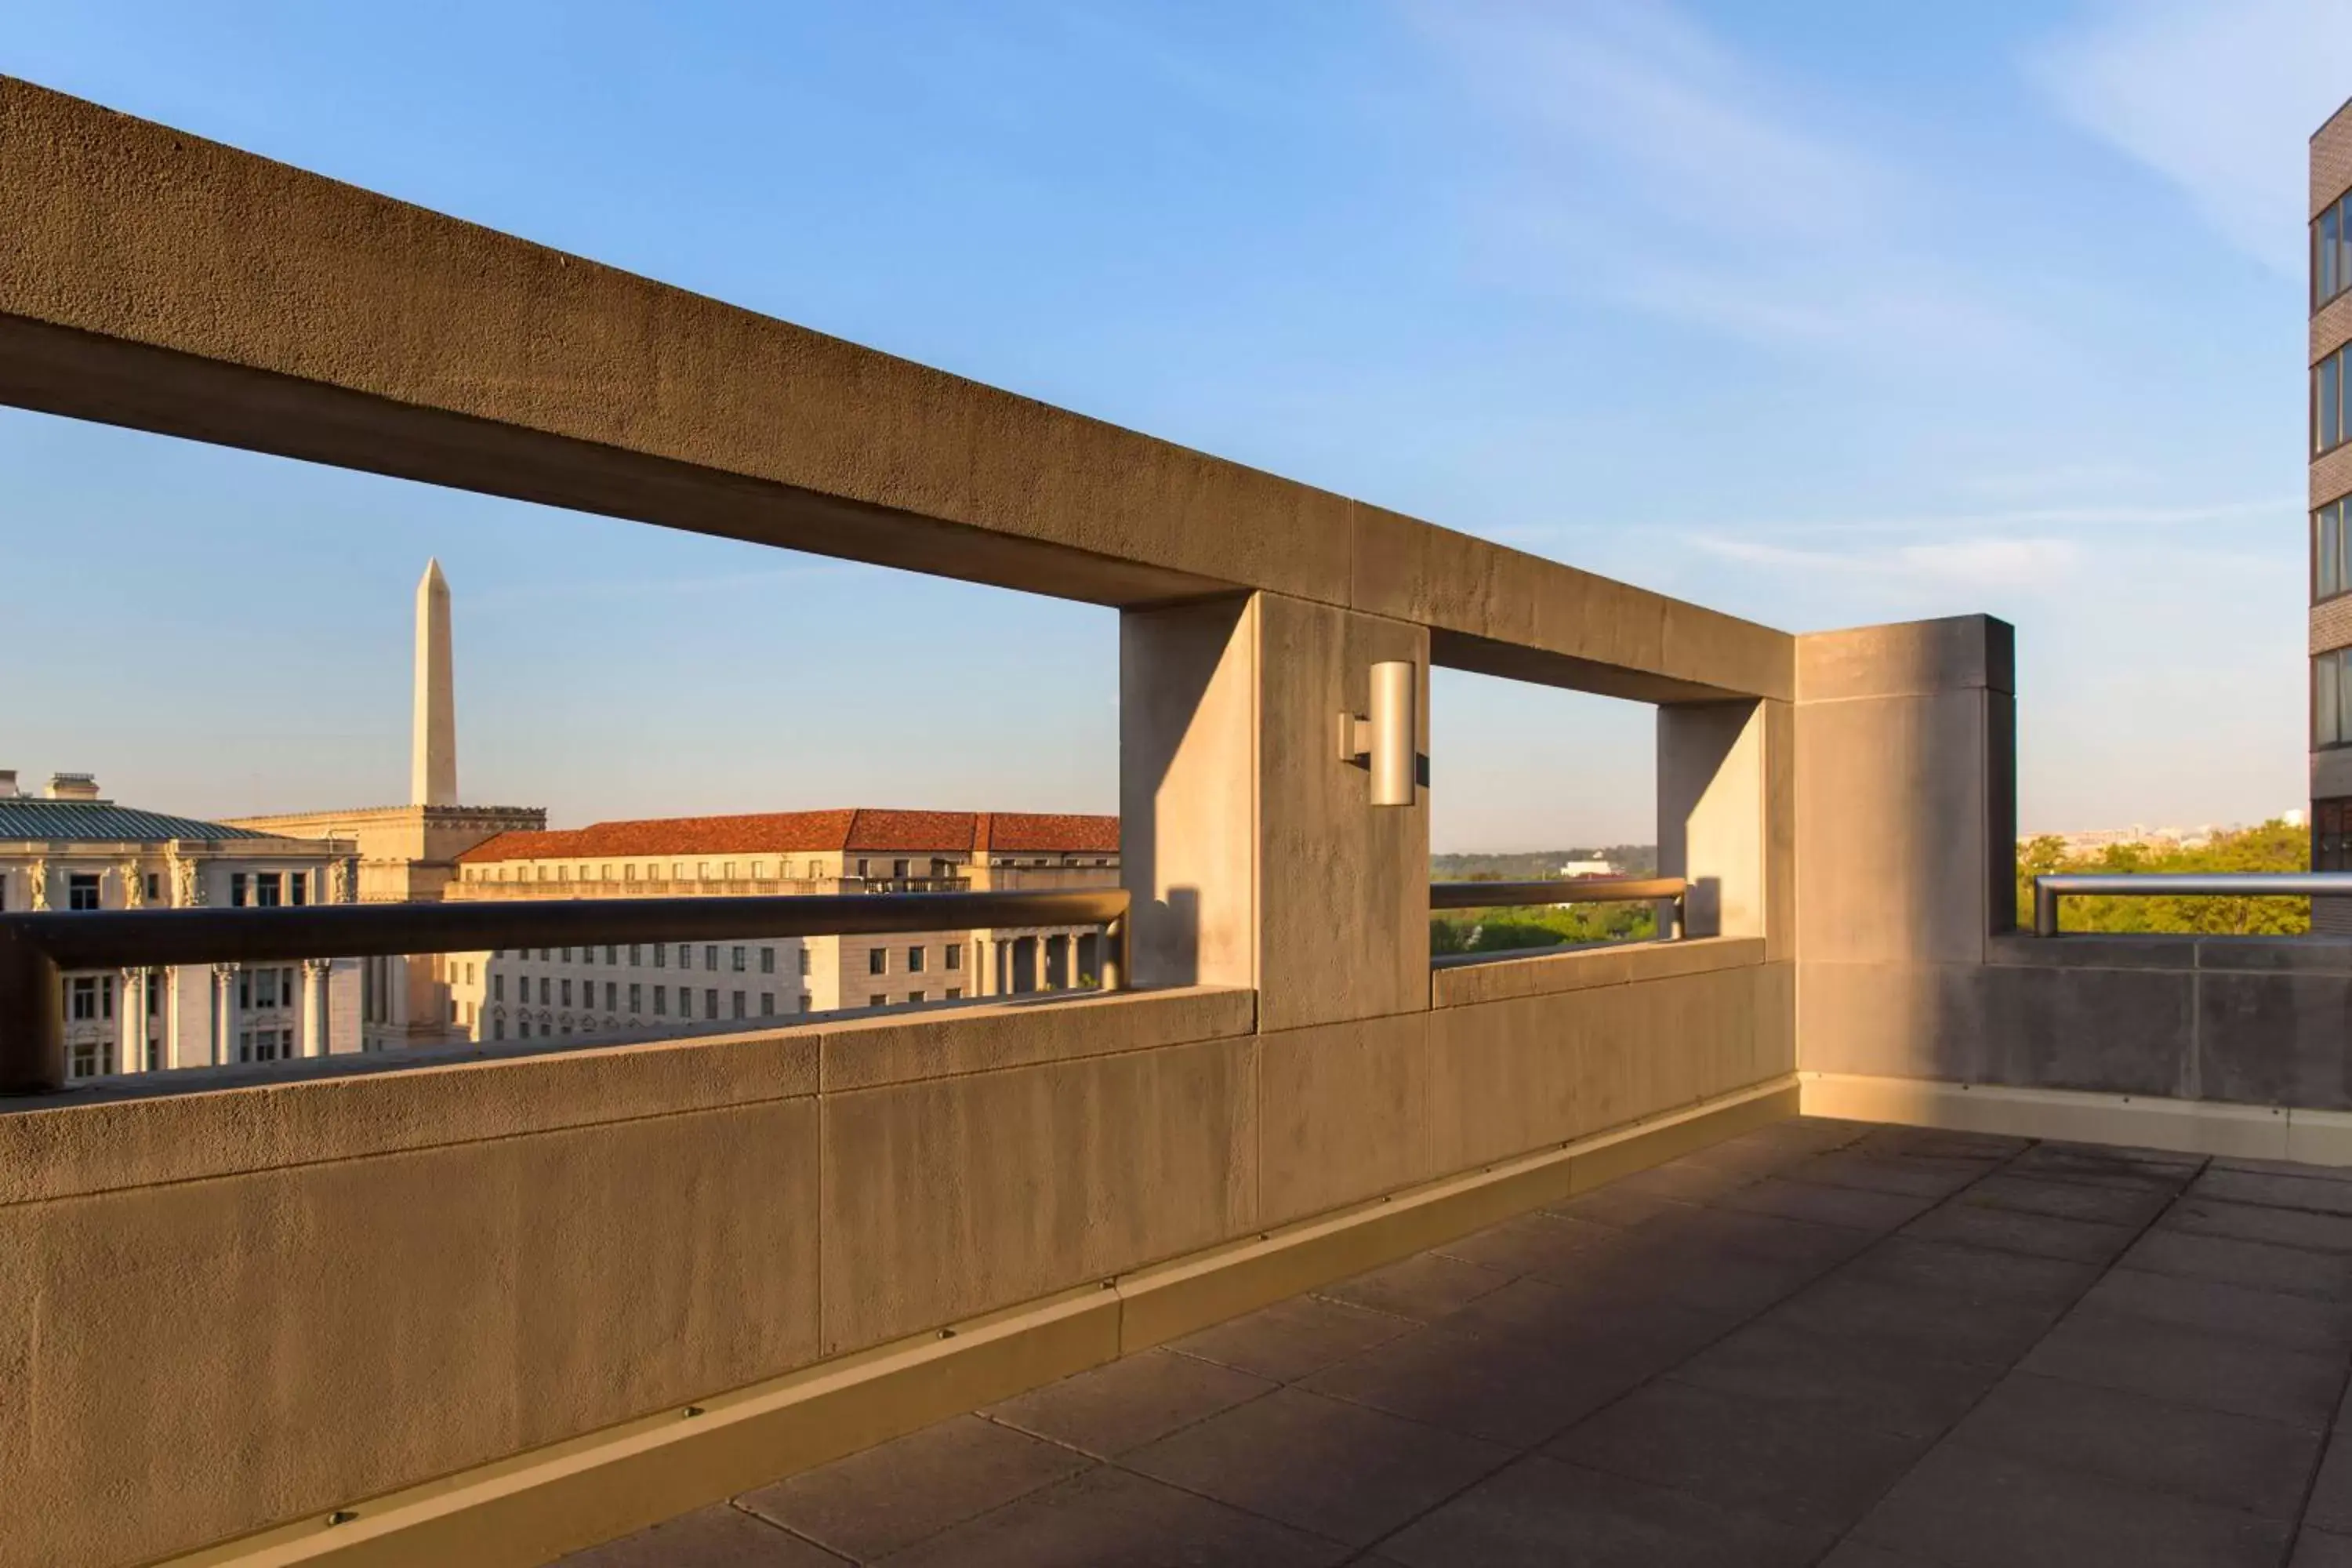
{"x": 1386, "y": 743}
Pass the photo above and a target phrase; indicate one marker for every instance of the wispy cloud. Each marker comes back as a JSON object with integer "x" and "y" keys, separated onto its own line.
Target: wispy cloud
{"x": 2218, "y": 96}
{"x": 1645, "y": 161}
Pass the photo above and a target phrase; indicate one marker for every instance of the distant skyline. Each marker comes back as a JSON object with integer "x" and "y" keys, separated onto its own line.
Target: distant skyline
{"x": 1818, "y": 315}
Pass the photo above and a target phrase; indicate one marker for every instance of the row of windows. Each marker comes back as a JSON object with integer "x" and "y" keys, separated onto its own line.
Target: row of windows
{"x": 952, "y": 993}
{"x": 2331, "y": 563}
{"x": 739, "y": 1005}
{"x": 725, "y": 870}
{"x": 267, "y": 890}
{"x": 738, "y": 958}
{"x": 2331, "y": 253}
{"x": 878, "y": 959}
{"x": 2331, "y": 422}
{"x": 558, "y": 993}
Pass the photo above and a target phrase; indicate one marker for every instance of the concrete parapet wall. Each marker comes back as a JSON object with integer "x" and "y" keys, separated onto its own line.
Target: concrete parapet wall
{"x": 232, "y": 1308}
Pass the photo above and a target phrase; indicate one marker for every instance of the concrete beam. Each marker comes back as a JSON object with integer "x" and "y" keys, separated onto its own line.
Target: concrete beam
{"x": 156, "y": 280}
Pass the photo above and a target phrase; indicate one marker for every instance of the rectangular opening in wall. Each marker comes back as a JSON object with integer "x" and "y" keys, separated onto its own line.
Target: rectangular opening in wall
{"x": 1535, "y": 789}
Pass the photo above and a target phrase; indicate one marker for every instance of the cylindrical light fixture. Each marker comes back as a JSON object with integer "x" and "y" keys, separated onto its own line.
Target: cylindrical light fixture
{"x": 1394, "y": 743}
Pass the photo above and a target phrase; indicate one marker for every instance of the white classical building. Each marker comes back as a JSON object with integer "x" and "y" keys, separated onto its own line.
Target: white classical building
{"x": 70, "y": 850}
{"x": 632, "y": 988}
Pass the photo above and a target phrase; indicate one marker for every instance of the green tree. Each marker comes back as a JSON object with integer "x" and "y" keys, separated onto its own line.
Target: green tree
{"x": 2272, "y": 846}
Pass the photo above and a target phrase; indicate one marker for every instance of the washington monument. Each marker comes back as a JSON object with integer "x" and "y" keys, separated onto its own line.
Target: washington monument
{"x": 433, "y": 758}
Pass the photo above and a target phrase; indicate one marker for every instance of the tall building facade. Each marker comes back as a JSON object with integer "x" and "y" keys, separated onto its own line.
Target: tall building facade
{"x": 2330, "y": 449}
{"x": 70, "y": 850}
{"x": 651, "y": 987}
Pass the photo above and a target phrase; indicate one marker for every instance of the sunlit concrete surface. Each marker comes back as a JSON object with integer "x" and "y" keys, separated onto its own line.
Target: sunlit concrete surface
{"x": 1823, "y": 1341}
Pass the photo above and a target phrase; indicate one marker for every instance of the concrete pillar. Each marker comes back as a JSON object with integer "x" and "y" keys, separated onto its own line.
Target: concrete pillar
{"x": 314, "y": 1034}
{"x": 225, "y": 1014}
{"x": 1252, "y": 848}
{"x": 1726, "y": 816}
{"x": 1907, "y": 821}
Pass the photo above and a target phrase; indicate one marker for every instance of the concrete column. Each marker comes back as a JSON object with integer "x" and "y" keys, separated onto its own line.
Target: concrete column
{"x": 173, "y": 1051}
{"x": 1253, "y": 849}
{"x": 314, "y": 1030}
{"x": 1907, "y": 824}
{"x": 224, "y": 1014}
{"x": 1726, "y": 781}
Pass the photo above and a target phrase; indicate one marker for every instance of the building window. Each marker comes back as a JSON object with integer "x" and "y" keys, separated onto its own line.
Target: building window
{"x": 877, "y": 961}
{"x": 2331, "y": 566}
{"x": 636, "y": 955}
{"x": 661, "y": 955}
{"x": 955, "y": 992}
{"x": 711, "y": 957}
{"x": 915, "y": 959}
{"x": 522, "y": 1028}
{"x": 661, "y": 1000}
{"x": 612, "y": 953}
{"x": 566, "y": 993}
{"x": 237, "y": 889}
{"x": 154, "y": 886}
{"x": 915, "y": 996}
{"x": 738, "y": 960}
{"x": 861, "y": 867}
{"x": 2331, "y": 699}
{"x": 498, "y": 1028}
{"x": 766, "y": 1004}
{"x": 81, "y": 890}
{"x": 804, "y": 961}
{"x": 898, "y": 869}
{"x": 636, "y": 997}
{"x": 807, "y": 1002}
{"x": 2331, "y": 253}
{"x": 83, "y": 995}
{"x": 567, "y": 955}
{"x": 2328, "y": 423}
{"x": 710, "y": 1004}
{"x": 686, "y": 956}
{"x": 2331, "y": 835}
{"x": 877, "y": 1001}
{"x": 611, "y": 997}
{"x": 685, "y": 1002}
{"x": 955, "y": 955}
{"x": 546, "y": 988}
{"x": 89, "y": 1059}
{"x": 767, "y": 961}
{"x": 737, "y": 1000}
{"x": 298, "y": 887}
{"x": 498, "y": 987}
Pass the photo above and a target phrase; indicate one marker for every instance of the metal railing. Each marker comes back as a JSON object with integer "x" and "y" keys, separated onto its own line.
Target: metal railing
{"x": 37, "y": 950}
{"x": 1666, "y": 893}
{"x": 2049, "y": 890}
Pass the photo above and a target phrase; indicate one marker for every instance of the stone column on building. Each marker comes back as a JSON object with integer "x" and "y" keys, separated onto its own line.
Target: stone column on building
{"x": 131, "y": 1022}
{"x": 224, "y": 1014}
{"x": 134, "y": 892}
{"x": 38, "y": 884}
{"x": 316, "y": 1038}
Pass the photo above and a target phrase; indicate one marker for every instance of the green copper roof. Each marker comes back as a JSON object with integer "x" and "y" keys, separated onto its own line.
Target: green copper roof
{"x": 24, "y": 818}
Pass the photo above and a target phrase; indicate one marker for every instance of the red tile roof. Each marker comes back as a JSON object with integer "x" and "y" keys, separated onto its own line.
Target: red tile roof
{"x": 788, "y": 832}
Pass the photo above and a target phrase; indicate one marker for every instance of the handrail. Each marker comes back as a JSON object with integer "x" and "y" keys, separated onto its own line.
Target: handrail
{"x": 36, "y": 950}
{"x": 1665, "y": 891}
{"x": 2048, "y": 890}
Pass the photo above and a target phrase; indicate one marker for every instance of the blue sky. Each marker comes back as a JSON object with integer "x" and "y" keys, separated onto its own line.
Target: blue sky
{"x": 1821, "y": 314}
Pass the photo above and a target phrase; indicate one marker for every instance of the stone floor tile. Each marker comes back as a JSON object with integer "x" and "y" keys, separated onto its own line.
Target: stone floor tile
{"x": 2257, "y": 1266}
{"x": 1829, "y": 1379}
{"x": 2313, "y": 1232}
{"x": 1851, "y": 1208}
{"x": 2133, "y": 1206}
{"x": 719, "y": 1536}
{"x": 1111, "y": 1517}
{"x": 1739, "y": 1453}
{"x": 1975, "y": 1273}
{"x": 2282, "y": 1168}
{"x": 2192, "y": 1366}
{"x": 2321, "y": 1549}
{"x": 2236, "y": 1461}
{"x": 1128, "y": 1402}
{"x": 2323, "y": 1194}
{"x": 1617, "y": 1207}
{"x": 1332, "y": 1469}
{"x": 2091, "y": 1167}
{"x": 1424, "y": 1287}
{"x": 1541, "y": 1513}
{"x": 1905, "y": 1317}
{"x": 1560, "y": 1320}
{"x": 2298, "y": 1322}
{"x": 1919, "y": 1178}
{"x": 1292, "y": 1338}
{"x": 2010, "y": 1230}
{"x": 892, "y": 1496}
{"x": 1729, "y": 1231}
{"x": 1503, "y": 1392}
{"x": 1691, "y": 1183}
{"x": 1529, "y": 1243}
{"x": 2331, "y": 1494}
{"x": 1940, "y": 1143}
{"x": 1973, "y": 1508}
{"x": 1853, "y": 1552}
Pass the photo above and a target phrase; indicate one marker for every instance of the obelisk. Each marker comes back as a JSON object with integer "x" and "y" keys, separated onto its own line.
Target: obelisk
{"x": 433, "y": 757}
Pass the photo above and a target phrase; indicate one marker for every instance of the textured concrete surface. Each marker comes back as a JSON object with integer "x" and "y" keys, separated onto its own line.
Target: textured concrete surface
{"x": 162, "y": 281}
{"x": 1822, "y": 1342}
